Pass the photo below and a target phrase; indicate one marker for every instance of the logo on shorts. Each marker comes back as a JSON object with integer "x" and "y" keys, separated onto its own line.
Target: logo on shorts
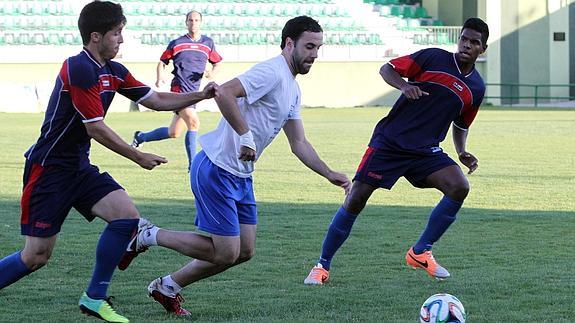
{"x": 435, "y": 149}
{"x": 42, "y": 225}
{"x": 374, "y": 175}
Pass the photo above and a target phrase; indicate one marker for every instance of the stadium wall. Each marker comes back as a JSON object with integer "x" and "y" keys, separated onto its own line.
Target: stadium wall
{"x": 329, "y": 84}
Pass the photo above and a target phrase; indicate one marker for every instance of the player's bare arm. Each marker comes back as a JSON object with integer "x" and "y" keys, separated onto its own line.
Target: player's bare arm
{"x": 210, "y": 74}
{"x": 226, "y": 100}
{"x": 304, "y": 150}
{"x": 169, "y": 101}
{"x": 160, "y": 79}
{"x": 391, "y": 77}
{"x": 459, "y": 141}
{"x": 103, "y": 134}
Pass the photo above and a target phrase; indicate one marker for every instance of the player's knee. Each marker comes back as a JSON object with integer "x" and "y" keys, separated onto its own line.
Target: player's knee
{"x": 246, "y": 255}
{"x": 36, "y": 260}
{"x": 129, "y": 213}
{"x": 225, "y": 258}
{"x": 354, "y": 203}
{"x": 460, "y": 191}
{"x": 173, "y": 134}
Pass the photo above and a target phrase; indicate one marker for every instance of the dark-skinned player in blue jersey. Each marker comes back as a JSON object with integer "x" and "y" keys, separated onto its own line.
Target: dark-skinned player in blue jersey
{"x": 443, "y": 89}
{"x": 58, "y": 175}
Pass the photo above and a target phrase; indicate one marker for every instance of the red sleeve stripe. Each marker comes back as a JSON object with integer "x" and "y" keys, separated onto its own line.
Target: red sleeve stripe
{"x": 406, "y": 66}
{"x": 130, "y": 82}
{"x": 87, "y": 102}
{"x": 468, "y": 113}
{"x": 214, "y": 57}
{"x": 64, "y": 76}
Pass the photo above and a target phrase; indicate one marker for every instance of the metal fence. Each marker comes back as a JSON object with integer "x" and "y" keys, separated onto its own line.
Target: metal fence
{"x": 535, "y": 94}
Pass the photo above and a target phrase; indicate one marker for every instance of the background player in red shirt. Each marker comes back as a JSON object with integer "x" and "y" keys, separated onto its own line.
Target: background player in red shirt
{"x": 443, "y": 88}
{"x": 58, "y": 174}
{"x": 190, "y": 54}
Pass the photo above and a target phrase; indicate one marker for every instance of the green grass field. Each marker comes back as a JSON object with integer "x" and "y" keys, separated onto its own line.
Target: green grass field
{"x": 511, "y": 252}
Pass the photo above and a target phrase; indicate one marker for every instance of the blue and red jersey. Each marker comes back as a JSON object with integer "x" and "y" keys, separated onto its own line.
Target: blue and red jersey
{"x": 418, "y": 126}
{"x": 83, "y": 92}
{"x": 190, "y": 58}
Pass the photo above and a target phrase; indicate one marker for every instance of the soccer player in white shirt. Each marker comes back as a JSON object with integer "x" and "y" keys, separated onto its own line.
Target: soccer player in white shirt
{"x": 255, "y": 107}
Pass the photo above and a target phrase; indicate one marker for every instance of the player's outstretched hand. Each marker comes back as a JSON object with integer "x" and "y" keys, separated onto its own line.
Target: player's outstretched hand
{"x": 469, "y": 160}
{"x": 340, "y": 180}
{"x": 149, "y": 161}
{"x": 413, "y": 92}
{"x": 210, "y": 90}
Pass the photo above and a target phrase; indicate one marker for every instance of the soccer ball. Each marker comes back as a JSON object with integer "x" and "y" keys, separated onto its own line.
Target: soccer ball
{"x": 442, "y": 308}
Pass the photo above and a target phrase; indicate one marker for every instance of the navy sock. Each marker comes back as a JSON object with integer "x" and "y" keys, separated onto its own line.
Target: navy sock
{"x": 337, "y": 233}
{"x": 12, "y": 268}
{"x": 439, "y": 221}
{"x": 191, "y": 146}
{"x": 154, "y": 135}
{"x": 111, "y": 247}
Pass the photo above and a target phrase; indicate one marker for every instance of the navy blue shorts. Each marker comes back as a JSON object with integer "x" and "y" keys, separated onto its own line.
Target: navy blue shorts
{"x": 382, "y": 168}
{"x": 51, "y": 192}
{"x": 223, "y": 200}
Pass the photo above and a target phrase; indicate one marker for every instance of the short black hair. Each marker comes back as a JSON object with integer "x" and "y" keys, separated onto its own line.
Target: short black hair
{"x": 297, "y": 26}
{"x": 479, "y": 26}
{"x": 100, "y": 17}
{"x": 191, "y": 12}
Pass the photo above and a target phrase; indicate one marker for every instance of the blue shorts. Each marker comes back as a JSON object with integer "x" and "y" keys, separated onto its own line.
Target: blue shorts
{"x": 382, "y": 168}
{"x": 223, "y": 200}
{"x": 51, "y": 192}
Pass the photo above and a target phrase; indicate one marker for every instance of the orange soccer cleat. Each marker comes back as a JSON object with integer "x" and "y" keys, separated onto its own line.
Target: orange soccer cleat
{"x": 427, "y": 262}
{"x": 317, "y": 276}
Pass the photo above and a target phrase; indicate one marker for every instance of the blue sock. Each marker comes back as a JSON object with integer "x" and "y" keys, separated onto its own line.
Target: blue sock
{"x": 111, "y": 247}
{"x": 439, "y": 221}
{"x": 154, "y": 135}
{"x": 337, "y": 233}
{"x": 191, "y": 146}
{"x": 12, "y": 268}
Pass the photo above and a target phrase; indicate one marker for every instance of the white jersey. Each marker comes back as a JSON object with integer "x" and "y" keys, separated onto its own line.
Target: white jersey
{"x": 272, "y": 98}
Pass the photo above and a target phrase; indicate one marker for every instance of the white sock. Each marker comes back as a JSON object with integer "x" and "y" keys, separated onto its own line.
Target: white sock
{"x": 149, "y": 237}
{"x": 169, "y": 286}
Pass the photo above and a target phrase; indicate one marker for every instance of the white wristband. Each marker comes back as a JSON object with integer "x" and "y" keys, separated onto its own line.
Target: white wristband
{"x": 247, "y": 139}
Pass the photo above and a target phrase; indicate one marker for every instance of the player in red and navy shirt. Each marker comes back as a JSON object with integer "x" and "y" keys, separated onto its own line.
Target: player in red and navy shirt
{"x": 442, "y": 89}
{"x": 190, "y": 54}
{"x": 58, "y": 175}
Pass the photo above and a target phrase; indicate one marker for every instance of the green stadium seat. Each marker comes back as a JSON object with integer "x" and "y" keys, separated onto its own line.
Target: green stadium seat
{"x": 374, "y": 39}
{"x": 360, "y": 39}
{"x": 396, "y": 11}
{"x": 53, "y": 39}
{"x": 408, "y": 12}
{"x": 437, "y": 22}
{"x": 333, "y": 39}
{"x": 420, "y": 12}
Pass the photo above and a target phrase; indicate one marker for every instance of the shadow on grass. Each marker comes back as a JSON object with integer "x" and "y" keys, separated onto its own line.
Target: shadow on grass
{"x": 502, "y": 261}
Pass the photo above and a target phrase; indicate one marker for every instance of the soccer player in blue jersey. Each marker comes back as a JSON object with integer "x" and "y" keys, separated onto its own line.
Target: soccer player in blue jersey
{"x": 58, "y": 174}
{"x": 255, "y": 106}
{"x": 443, "y": 88}
{"x": 190, "y": 54}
